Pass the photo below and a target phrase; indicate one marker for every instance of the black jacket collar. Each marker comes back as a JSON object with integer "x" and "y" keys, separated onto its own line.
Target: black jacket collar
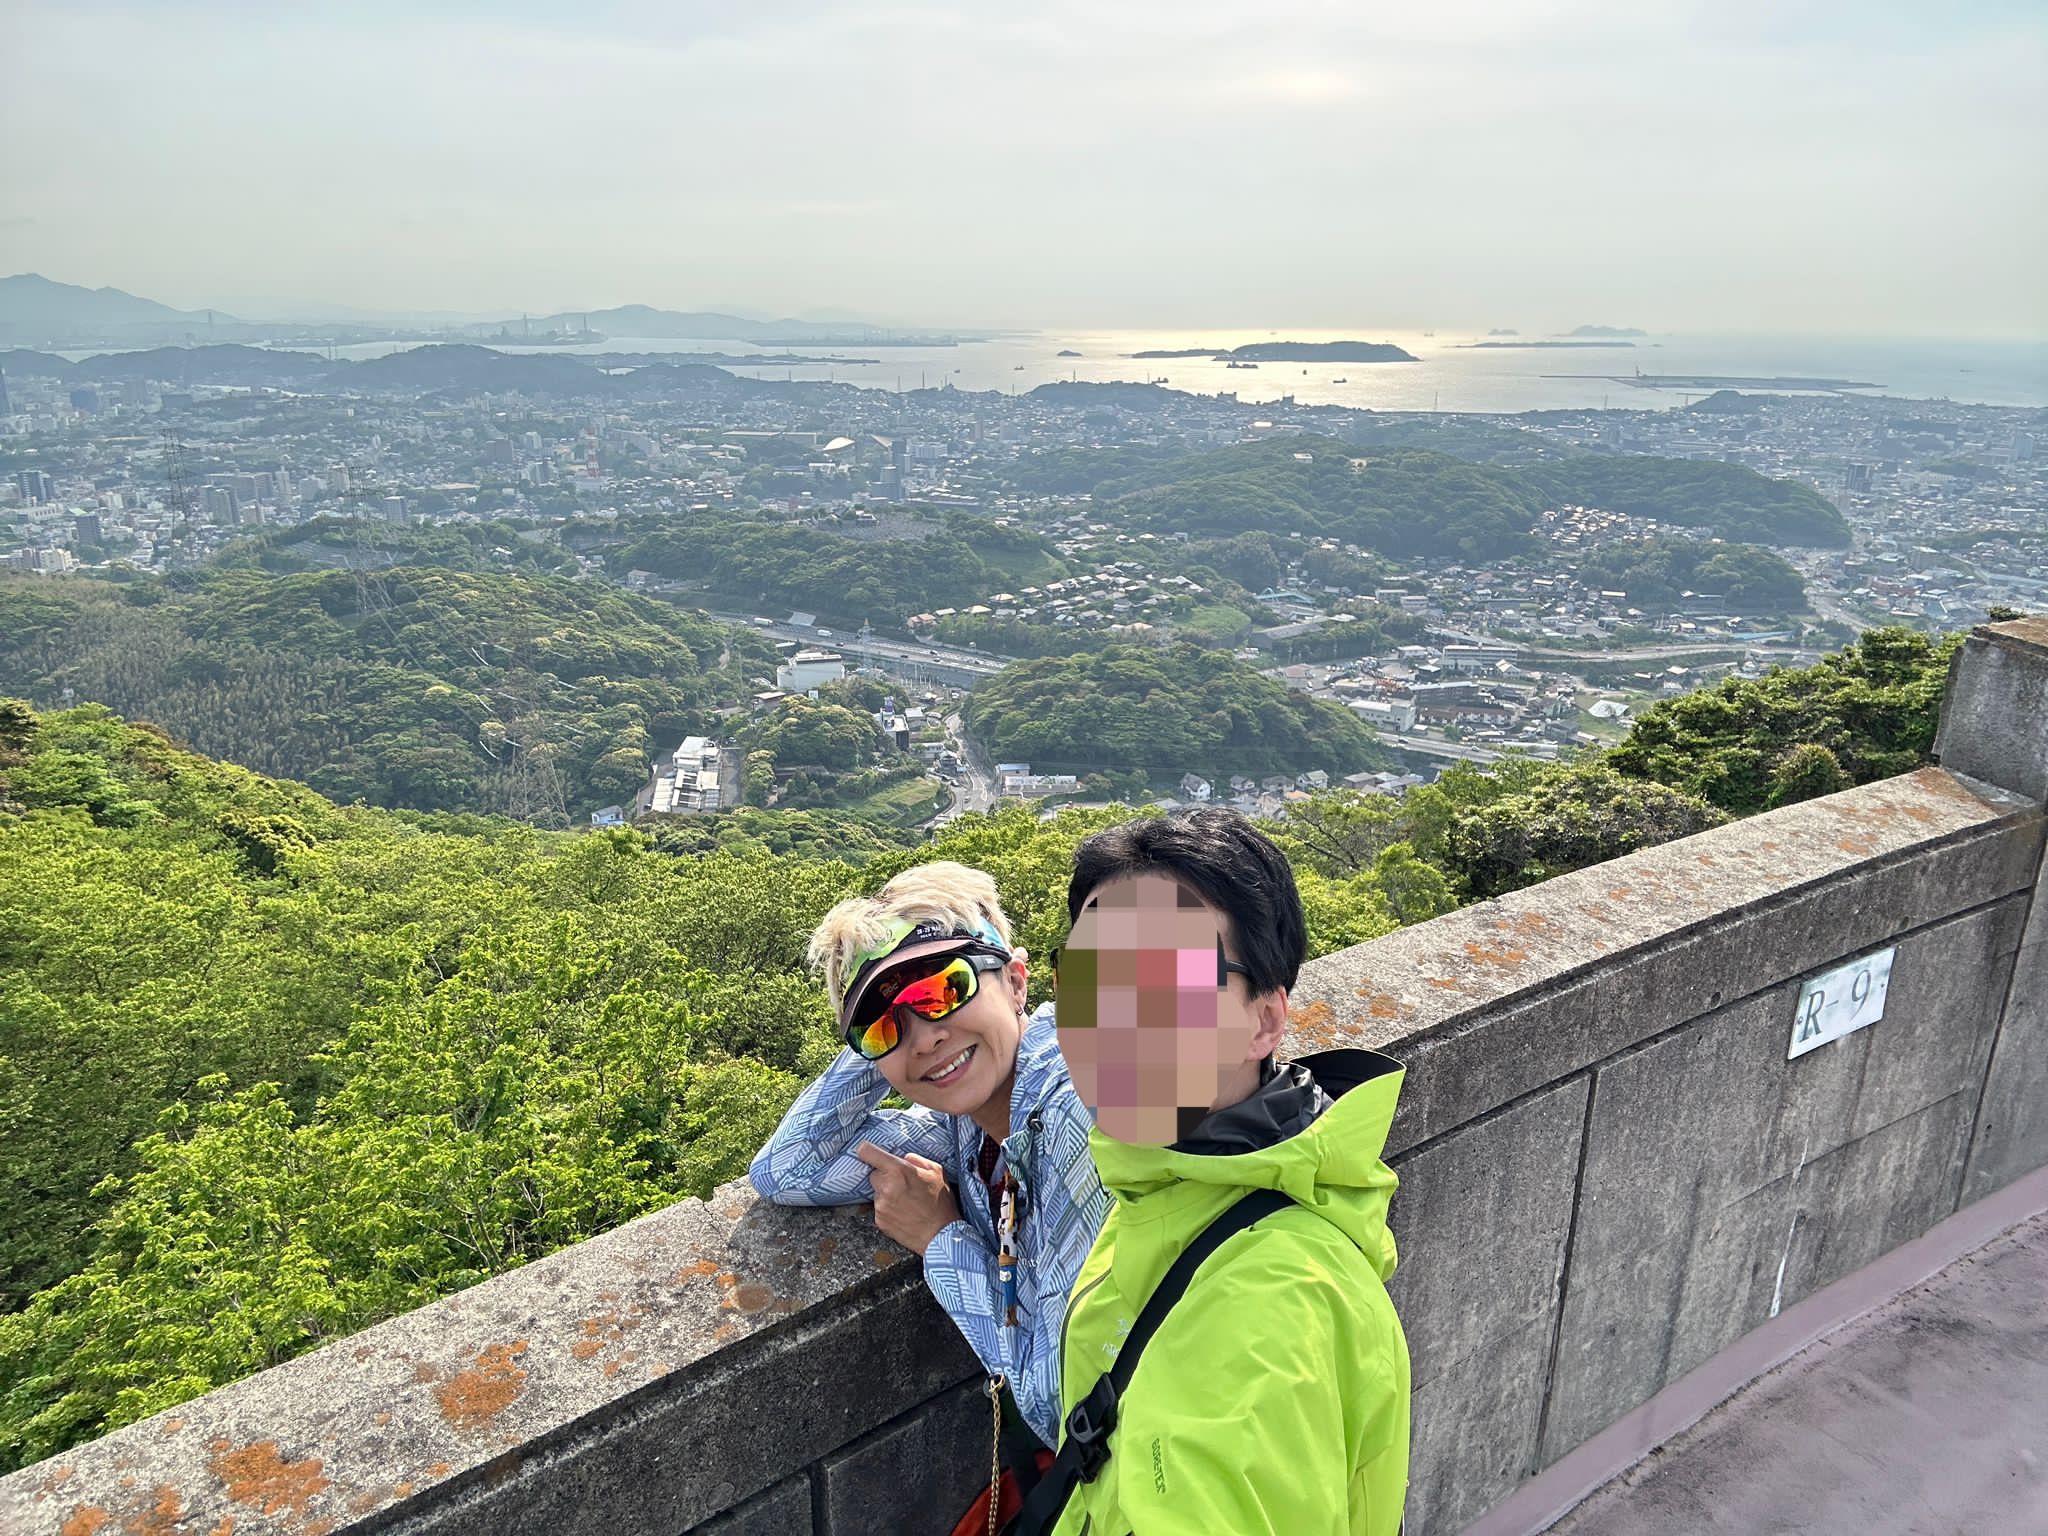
{"x": 1290, "y": 1095}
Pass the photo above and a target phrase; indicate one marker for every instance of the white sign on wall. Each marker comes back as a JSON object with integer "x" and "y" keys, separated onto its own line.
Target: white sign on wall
{"x": 1837, "y": 1002}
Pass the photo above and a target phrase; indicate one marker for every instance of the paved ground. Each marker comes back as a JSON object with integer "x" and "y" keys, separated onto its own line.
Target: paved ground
{"x": 1928, "y": 1417}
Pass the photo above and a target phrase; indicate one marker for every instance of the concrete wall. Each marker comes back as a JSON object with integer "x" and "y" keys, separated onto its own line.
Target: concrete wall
{"x": 1610, "y": 1170}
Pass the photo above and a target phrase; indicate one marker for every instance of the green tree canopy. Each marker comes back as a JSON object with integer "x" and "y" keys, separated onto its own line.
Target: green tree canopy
{"x": 1750, "y": 743}
{"x": 1657, "y": 573}
{"x": 1167, "y": 711}
{"x": 1412, "y": 502}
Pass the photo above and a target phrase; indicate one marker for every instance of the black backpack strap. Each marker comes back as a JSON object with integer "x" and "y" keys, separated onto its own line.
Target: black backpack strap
{"x": 1084, "y": 1448}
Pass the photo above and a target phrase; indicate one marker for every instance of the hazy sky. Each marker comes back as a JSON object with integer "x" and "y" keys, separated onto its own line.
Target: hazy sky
{"x": 1731, "y": 164}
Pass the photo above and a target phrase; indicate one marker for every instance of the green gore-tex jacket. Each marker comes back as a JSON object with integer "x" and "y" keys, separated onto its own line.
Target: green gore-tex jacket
{"x": 1273, "y": 1401}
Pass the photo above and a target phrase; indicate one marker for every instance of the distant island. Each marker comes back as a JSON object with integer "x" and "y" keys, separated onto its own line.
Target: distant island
{"x": 1066, "y": 352}
{"x": 1294, "y": 352}
{"x": 1607, "y": 330}
{"x": 1503, "y": 330}
{"x": 1532, "y": 344}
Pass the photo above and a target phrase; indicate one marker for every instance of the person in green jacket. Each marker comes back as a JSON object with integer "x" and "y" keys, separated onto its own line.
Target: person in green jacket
{"x": 1274, "y": 1397}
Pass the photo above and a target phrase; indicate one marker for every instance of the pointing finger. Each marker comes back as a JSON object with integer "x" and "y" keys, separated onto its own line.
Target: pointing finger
{"x": 878, "y": 1159}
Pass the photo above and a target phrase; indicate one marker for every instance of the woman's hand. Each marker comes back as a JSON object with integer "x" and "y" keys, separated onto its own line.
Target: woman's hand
{"x": 913, "y": 1202}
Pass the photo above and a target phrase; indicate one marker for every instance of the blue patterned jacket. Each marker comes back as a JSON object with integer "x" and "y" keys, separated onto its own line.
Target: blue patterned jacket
{"x": 809, "y": 1161}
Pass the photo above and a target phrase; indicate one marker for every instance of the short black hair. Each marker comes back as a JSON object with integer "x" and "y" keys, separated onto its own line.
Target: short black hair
{"x": 1227, "y": 861}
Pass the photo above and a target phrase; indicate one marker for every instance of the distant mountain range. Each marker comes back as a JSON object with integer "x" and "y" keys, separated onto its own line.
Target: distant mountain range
{"x": 418, "y": 370}
{"x": 34, "y": 309}
{"x": 38, "y": 312}
{"x": 1607, "y": 331}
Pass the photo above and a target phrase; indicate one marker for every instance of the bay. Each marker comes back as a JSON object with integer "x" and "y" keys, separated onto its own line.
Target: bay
{"x": 1450, "y": 374}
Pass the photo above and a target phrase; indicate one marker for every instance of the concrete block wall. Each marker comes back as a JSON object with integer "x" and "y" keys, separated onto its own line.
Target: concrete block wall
{"x": 1610, "y": 1170}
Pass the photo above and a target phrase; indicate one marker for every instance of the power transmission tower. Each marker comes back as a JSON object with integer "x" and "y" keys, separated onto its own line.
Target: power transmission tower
{"x": 180, "y": 490}
{"x": 532, "y": 785}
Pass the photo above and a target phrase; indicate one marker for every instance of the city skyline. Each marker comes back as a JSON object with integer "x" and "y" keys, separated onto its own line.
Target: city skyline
{"x": 1677, "y": 167}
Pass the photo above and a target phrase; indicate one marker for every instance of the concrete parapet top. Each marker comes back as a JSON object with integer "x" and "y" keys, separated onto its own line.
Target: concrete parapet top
{"x": 1419, "y": 988}
{"x": 1994, "y": 710}
{"x": 467, "y": 1388}
{"x": 2029, "y": 633}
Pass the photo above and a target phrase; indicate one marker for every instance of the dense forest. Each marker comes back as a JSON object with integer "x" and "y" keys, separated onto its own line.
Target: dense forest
{"x": 419, "y": 687}
{"x": 347, "y": 543}
{"x": 272, "y": 1069}
{"x": 1727, "y": 500}
{"x": 948, "y": 562}
{"x": 276, "y": 1069}
{"x": 1658, "y": 573}
{"x": 1164, "y": 711}
{"x": 1402, "y": 502}
{"x": 1412, "y": 502}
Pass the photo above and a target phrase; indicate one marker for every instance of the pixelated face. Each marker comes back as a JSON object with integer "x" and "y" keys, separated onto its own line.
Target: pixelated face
{"x": 1150, "y": 1024}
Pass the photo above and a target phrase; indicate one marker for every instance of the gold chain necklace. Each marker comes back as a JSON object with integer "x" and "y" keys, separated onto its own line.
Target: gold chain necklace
{"x": 995, "y": 1450}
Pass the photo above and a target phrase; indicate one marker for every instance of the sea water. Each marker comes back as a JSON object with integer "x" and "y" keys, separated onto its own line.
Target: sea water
{"x": 1451, "y": 372}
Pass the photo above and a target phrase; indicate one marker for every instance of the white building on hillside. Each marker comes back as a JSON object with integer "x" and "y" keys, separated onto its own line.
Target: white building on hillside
{"x": 688, "y": 781}
{"x": 809, "y": 669}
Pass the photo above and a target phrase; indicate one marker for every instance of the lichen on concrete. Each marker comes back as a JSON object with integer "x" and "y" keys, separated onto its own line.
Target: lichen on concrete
{"x": 432, "y": 1399}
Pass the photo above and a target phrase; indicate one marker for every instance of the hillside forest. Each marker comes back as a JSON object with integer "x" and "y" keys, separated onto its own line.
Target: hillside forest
{"x": 422, "y": 687}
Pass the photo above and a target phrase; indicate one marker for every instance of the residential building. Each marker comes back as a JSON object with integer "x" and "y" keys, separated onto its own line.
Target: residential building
{"x": 1396, "y": 715}
{"x": 1478, "y": 658}
{"x": 1034, "y": 785}
{"x": 688, "y": 781}
{"x": 42, "y": 562}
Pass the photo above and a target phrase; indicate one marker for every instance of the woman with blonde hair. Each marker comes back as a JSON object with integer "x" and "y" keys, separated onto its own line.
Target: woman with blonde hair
{"x": 987, "y": 1173}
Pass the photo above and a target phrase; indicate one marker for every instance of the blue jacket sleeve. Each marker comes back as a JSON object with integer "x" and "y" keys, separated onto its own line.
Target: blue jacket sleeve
{"x": 809, "y": 1160}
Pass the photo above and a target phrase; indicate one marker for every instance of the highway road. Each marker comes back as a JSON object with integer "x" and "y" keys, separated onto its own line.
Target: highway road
{"x": 982, "y": 663}
{"x": 987, "y": 663}
{"x": 1430, "y": 746}
{"x": 976, "y": 790}
{"x": 1831, "y": 607}
{"x": 1676, "y": 651}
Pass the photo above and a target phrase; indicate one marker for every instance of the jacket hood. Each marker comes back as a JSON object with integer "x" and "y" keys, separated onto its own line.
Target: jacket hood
{"x": 1315, "y": 1130}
